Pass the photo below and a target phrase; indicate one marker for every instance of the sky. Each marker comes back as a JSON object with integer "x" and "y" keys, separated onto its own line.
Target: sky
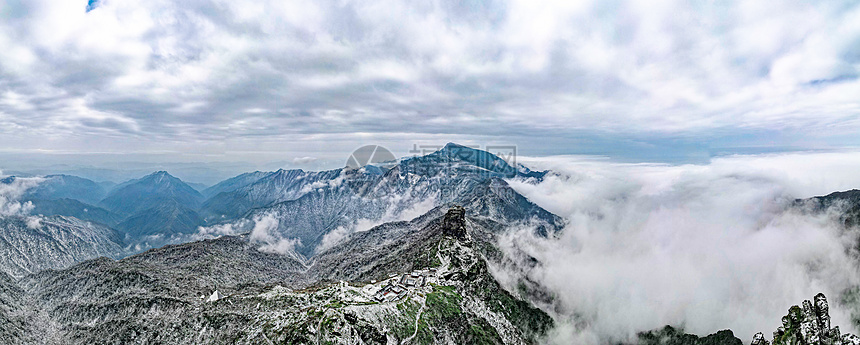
{"x": 258, "y": 84}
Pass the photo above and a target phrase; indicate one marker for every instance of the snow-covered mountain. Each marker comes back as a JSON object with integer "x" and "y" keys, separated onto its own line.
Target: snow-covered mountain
{"x": 242, "y": 193}
{"x": 29, "y": 244}
{"x": 357, "y": 225}
{"x": 234, "y": 183}
{"x": 434, "y": 287}
{"x": 156, "y": 226}
{"x": 377, "y": 255}
{"x": 342, "y": 201}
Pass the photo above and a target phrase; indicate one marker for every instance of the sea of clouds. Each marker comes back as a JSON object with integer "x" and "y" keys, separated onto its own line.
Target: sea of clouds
{"x": 703, "y": 247}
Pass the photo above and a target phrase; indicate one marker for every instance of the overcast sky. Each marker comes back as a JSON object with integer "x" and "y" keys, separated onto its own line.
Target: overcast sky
{"x": 293, "y": 81}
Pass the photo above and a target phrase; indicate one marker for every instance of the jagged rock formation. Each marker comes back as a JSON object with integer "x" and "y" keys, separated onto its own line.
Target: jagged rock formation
{"x": 673, "y": 336}
{"x": 809, "y": 325}
{"x": 454, "y": 224}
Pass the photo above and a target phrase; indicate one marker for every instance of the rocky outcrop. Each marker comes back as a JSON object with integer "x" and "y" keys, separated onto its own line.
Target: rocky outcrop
{"x": 808, "y": 325}
{"x": 454, "y": 223}
{"x": 673, "y": 336}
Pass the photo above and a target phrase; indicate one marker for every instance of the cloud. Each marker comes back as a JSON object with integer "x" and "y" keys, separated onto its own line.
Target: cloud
{"x": 265, "y": 232}
{"x": 323, "y": 184}
{"x": 240, "y": 77}
{"x": 227, "y": 229}
{"x": 262, "y": 230}
{"x": 304, "y": 160}
{"x": 11, "y": 192}
{"x": 34, "y": 222}
{"x": 705, "y": 247}
{"x": 334, "y": 238}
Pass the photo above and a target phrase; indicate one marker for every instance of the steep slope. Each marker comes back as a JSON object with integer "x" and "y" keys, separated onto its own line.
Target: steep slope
{"x": 156, "y": 209}
{"x": 150, "y": 191}
{"x": 849, "y": 201}
{"x": 66, "y": 187}
{"x": 234, "y": 183}
{"x": 155, "y": 297}
{"x": 32, "y": 244}
{"x": 13, "y": 327}
{"x": 494, "y": 199}
{"x": 160, "y": 223}
{"x": 74, "y": 208}
{"x": 371, "y": 196}
{"x": 242, "y": 194}
{"x": 385, "y": 249}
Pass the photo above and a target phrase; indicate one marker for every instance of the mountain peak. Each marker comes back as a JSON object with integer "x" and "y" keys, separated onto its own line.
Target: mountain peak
{"x": 148, "y": 191}
{"x": 283, "y": 171}
{"x": 453, "y": 145}
{"x": 484, "y": 161}
{"x": 161, "y": 173}
{"x": 161, "y": 176}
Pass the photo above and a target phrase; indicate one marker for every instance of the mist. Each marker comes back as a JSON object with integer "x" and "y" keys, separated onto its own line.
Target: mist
{"x": 11, "y": 193}
{"x": 702, "y": 247}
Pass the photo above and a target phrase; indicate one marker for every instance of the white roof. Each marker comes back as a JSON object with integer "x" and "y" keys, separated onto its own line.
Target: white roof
{"x": 215, "y": 296}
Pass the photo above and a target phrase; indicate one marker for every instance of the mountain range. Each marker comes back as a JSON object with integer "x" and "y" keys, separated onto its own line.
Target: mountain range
{"x": 394, "y": 253}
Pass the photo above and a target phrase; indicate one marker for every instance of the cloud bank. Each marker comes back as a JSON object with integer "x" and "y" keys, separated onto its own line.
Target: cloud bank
{"x": 704, "y": 247}
{"x": 243, "y": 77}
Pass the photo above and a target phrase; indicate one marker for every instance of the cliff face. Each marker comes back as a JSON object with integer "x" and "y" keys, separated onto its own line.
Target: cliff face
{"x": 454, "y": 224}
{"x": 808, "y": 325}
